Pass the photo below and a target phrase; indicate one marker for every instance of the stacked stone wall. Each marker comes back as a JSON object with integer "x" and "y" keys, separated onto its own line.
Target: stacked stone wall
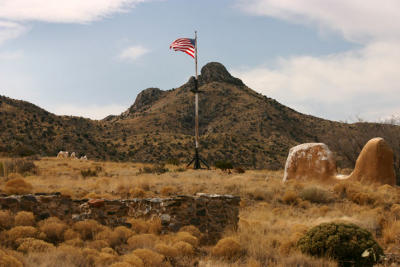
{"x": 210, "y": 213}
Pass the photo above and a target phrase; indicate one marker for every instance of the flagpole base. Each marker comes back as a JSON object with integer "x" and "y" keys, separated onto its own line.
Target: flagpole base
{"x": 197, "y": 161}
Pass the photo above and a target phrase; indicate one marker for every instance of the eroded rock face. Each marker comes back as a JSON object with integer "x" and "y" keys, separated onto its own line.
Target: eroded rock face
{"x": 375, "y": 163}
{"x": 310, "y": 161}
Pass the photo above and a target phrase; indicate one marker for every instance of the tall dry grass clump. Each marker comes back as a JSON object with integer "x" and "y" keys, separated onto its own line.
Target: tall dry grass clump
{"x": 316, "y": 194}
{"x": 184, "y": 248}
{"x": 87, "y": 229}
{"x": 17, "y": 186}
{"x": 24, "y": 218}
{"x": 187, "y": 237}
{"x": 142, "y": 241}
{"x": 166, "y": 250}
{"x": 54, "y": 229}
{"x": 6, "y": 219}
{"x": 28, "y": 245}
{"x": 121, "y": 264}
{"x": 133, "y": 260}
{"x": 227, "y": 248}
{"x": 11, "y": 236}
{"x": 149, "y": 257}
{"x": 139, "y": 226}
{"x": 7, "y": 260}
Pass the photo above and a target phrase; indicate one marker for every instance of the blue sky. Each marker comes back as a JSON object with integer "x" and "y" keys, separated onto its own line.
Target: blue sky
{"x": 334, "y": 59}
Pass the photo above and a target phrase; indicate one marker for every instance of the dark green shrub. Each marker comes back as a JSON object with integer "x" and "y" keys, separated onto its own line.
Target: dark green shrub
{"x": 223, "y": 165}
{"x": 343, "y": 242}
{"x": 316, "y": 195}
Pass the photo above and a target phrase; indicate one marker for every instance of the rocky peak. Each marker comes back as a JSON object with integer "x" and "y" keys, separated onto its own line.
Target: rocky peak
{"x": 144, "y": 100}
{"x": 216, "y": 72}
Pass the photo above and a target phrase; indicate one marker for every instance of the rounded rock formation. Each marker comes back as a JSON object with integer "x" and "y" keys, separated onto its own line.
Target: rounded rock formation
{"x": 310, "y": 161}
{"x": 375, "y": 163}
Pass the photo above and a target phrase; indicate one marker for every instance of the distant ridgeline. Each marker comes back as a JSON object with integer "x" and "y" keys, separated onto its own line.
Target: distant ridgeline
{"x": 237, "y": 124}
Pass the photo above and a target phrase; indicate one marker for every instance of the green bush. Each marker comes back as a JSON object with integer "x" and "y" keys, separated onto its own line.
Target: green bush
{"x": 345, "y": 243}
{"x": 223, "y": 165}
{"x": 316, "y": 195}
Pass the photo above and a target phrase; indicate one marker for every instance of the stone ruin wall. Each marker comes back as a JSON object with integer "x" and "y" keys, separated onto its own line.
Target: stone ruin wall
{"x": 210, "y": 213}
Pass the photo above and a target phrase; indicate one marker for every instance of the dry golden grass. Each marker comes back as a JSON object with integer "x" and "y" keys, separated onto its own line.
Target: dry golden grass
{"x": 187, "y": 237}
{"x": 54, "y": 229}
{"x": 142, "y": 241}
{"x": 167, "y": 251}
{"x": 24, "y": 218}
{"x": 149, "y": 257}
{"x": 17, "y": 186}
{"x": 8, "y": 260}
{"x": 184, "y": 248}
{"x": 227, "y": 248}
{"x": 273, "y": 216}
{"x": 133, "y": 260}
{"x": 88, "y": 229}
{"x": 6, "y": 219}
{"x": 28, "y": 245}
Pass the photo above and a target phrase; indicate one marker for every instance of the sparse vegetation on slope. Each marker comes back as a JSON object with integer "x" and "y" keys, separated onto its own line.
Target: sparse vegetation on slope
{"x": 236, "y": 124}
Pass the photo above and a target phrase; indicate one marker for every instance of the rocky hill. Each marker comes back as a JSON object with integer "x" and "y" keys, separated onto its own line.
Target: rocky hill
{"x": 236, "y": 124}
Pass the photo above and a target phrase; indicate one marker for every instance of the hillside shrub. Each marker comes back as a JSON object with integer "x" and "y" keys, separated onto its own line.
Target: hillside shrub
{"x": 343, "y": 242}
{"x": 223, "y": 165}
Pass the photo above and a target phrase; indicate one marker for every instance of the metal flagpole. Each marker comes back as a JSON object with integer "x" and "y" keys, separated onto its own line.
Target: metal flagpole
{"x": 196, "y": 158}
{"x": 196, "y": 95}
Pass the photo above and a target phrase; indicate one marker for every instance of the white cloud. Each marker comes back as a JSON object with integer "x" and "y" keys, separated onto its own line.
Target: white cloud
{"x": 70, "y": 11}
{"x": 95, "y": 112}
{"x": 132, "y": 53}
{"x": 10, "y": 30}
{"x": 355, "y": 19}
{"x": 362, "y": 82}
{"x": 335, "y": 84}
{"x": 14, "y": 12}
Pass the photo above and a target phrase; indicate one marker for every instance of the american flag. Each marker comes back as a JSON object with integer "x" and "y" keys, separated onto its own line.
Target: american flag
{"x": 186, "y": 45}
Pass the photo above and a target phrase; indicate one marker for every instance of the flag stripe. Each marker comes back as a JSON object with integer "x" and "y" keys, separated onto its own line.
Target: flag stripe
{"x": 185, "y": 45}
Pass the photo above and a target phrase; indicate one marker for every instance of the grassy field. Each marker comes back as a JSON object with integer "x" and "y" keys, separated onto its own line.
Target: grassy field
{"x": 273, "y": 216}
